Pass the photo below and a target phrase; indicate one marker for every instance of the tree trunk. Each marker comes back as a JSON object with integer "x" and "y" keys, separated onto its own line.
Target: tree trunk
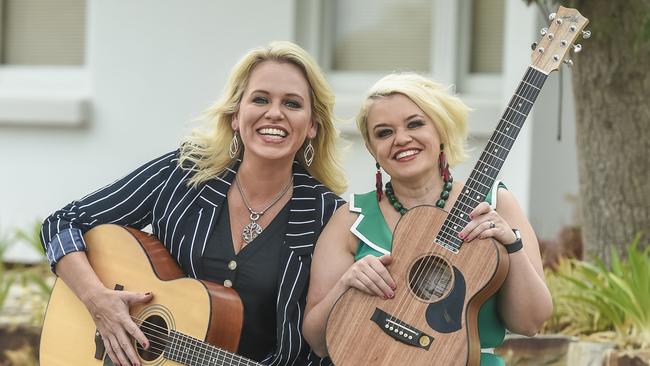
{"x": 611, "y": 81}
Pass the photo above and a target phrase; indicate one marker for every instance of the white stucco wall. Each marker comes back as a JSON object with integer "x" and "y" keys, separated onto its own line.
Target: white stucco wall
{"x": 153, "y": 66}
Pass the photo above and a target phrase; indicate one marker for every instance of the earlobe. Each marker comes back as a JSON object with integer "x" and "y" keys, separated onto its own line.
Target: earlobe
{"x": 313, "y": 130}
{"x": 235, "y": 121}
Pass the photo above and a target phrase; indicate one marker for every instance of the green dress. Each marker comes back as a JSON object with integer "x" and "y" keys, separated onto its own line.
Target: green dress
{"x": 375, "y": 238}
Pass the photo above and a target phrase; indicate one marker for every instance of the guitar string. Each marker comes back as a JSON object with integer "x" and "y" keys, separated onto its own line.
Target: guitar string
{"x": 531, "y": 77}
{"x": 228, "y": 356}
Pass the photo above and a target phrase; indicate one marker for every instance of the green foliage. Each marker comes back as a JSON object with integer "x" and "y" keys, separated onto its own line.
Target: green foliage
{"x": 33, "y": 282}
{"x": 32, "y": 237}
{"x": 6, "y": 279}
{"x": 604, "y": 302}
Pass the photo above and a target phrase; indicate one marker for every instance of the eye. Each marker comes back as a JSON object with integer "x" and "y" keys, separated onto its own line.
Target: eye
{"x": 415, "y": 123}
{"x": 259, "y": 100}
{"x": 293, "y": 104}
{"x": 383, "y": 132}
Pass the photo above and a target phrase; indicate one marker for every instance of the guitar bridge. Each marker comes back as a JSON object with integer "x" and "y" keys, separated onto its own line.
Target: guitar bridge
{"x": 401, "y": 331}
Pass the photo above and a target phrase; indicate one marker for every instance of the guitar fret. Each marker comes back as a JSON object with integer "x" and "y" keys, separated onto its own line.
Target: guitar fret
{"x": 516, "y": 111}
{"x": 524, "y": 98}
{"x": 498, "y": 141}
{"x": 531, "y": 85}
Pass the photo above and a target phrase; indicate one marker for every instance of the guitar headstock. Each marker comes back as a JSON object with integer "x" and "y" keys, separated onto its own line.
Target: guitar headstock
{"x": 566, "y": 26}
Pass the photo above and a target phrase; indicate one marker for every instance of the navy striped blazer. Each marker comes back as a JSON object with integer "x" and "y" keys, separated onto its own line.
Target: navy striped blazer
{"x": 183, "y": 217}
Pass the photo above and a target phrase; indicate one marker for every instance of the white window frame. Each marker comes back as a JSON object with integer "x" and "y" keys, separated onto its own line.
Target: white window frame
{"x": 44, "y": 95}
{"x": 474, "y": 83}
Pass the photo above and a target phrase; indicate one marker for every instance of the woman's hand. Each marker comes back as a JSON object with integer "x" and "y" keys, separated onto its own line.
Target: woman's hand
{"x": 110, "y": 311}
{"x": 369, "y": 274}
{"x": 487, "y": 223}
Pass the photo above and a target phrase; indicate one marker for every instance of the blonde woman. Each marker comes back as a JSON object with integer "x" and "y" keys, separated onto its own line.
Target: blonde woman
{"x": 256, "y": 189}
{"x": 412, "y": 126}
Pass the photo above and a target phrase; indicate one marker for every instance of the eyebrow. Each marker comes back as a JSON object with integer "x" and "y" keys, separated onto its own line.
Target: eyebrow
{"x": 384, "y": 124}
{"x": 288, "y": 94}
{"x": 413, "y": 116}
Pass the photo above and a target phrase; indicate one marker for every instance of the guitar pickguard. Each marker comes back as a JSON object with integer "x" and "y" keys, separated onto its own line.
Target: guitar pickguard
{"x": 445, "y": 316}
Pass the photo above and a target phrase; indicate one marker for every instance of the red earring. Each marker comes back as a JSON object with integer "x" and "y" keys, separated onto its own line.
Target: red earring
{"x": 378, "y": 183}
{"x": 443, "y": 165}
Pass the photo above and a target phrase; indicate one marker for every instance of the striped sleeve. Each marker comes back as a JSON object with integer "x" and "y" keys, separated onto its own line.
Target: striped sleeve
{"x": 127, "y": 201}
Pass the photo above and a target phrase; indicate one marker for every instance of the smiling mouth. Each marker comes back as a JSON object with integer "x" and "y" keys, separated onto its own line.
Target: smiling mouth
{"x": 272, "y": 132}
{"x": 406, "y": 153}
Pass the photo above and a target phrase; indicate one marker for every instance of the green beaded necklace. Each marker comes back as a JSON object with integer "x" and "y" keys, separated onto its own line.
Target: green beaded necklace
{"x": 444, "y": 195}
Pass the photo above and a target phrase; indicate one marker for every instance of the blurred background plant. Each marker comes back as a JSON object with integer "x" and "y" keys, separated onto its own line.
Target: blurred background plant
{"x": 6, "y": 279}
{"x": 32, "y": 281}
{"x": 25, "y": 289}
{"x": 608, "y": 303}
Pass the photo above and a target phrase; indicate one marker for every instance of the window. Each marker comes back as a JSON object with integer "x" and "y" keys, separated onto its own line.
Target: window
{"x": 43, "y": 79}
{"x": 42, "y": 32}
{"x": 458, "y": 42}
{"x": 381, "y": 35}
{"x": 481, "y": 40}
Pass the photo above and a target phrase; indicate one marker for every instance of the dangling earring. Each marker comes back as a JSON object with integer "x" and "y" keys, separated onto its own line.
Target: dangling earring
{"x": 443, "y": 166}
{"x": 309, "y": 153}
{"x": 378, "y": 183}
{"x": 234, "y": 146}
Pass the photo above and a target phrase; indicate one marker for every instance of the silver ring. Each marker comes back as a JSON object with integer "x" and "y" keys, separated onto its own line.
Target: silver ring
{"x": 492, "y": 224}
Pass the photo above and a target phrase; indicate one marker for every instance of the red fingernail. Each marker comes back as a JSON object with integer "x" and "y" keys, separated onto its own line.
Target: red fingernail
{"x": 461, "y": 235}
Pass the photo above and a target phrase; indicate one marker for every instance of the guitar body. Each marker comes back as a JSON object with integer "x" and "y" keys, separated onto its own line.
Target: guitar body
{"x": 138, "y": 262}
{"x": 432, "y": 320}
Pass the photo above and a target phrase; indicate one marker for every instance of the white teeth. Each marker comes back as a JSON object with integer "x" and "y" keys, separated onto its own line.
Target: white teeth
{"x": 406, "y": 153}
{"x": 273, "y": 132}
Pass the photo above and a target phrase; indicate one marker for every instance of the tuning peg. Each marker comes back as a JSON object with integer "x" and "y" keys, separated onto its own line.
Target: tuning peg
{"x": 568, "y": 62}
{"x": 552, "y": 16}
{"x": 586, "y": 34}
{"x": 544, "y": 31}
{"x": 533, "y": 46}
{"x": 577, "y": 48}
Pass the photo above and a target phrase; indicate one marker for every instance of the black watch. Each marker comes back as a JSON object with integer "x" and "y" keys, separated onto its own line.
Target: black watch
{"x": 516, "y": 245}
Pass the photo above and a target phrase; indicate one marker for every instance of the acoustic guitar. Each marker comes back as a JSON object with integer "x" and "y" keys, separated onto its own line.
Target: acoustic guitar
{"x": 441, "y": 281}
{"x": 188, "y": 322}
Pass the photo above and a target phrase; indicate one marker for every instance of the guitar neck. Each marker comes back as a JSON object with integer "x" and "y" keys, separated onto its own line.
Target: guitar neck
{"x": 190, "y": 351}
{"x": 485, "y": 171}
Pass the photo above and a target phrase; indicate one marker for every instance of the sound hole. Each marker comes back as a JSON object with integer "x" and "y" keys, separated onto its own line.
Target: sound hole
{"x": 156, "y": 330}
{"x": 430, "y": 278}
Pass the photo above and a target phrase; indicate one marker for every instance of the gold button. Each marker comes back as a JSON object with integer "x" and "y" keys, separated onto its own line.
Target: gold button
{"x": 424, "y": 341}
{"x": 232, "y": 265}
{"x": 227, "y": 283}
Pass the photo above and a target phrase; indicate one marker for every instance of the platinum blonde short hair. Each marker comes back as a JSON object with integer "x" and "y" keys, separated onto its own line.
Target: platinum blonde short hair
{"x": 447, "y": 111}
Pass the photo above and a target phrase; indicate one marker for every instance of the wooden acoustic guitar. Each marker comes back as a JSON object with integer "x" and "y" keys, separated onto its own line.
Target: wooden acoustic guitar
{"x": 188, "y": 322}
{"x": 441, "y": 281}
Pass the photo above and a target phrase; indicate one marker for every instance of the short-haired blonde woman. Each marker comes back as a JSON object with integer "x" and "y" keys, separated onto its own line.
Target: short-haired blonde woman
{"x": 256, "y": 187}
{"x": 411, "y": 126}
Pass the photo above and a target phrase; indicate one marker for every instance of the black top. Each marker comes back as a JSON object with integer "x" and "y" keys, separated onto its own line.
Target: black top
{"x": 253, "y": 273}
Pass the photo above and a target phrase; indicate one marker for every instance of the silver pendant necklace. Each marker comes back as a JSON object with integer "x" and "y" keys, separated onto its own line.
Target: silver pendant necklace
{"x": 253, "y": 229}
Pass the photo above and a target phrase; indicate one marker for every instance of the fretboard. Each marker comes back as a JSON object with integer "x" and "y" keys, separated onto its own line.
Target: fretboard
{"x": 482, "y": 178}
{"x": 193, "y": 352}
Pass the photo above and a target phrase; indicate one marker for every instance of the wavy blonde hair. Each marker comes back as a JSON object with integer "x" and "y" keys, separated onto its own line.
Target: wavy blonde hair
{"x": 206, "y": 151}
{"x": 447, "y": 111}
